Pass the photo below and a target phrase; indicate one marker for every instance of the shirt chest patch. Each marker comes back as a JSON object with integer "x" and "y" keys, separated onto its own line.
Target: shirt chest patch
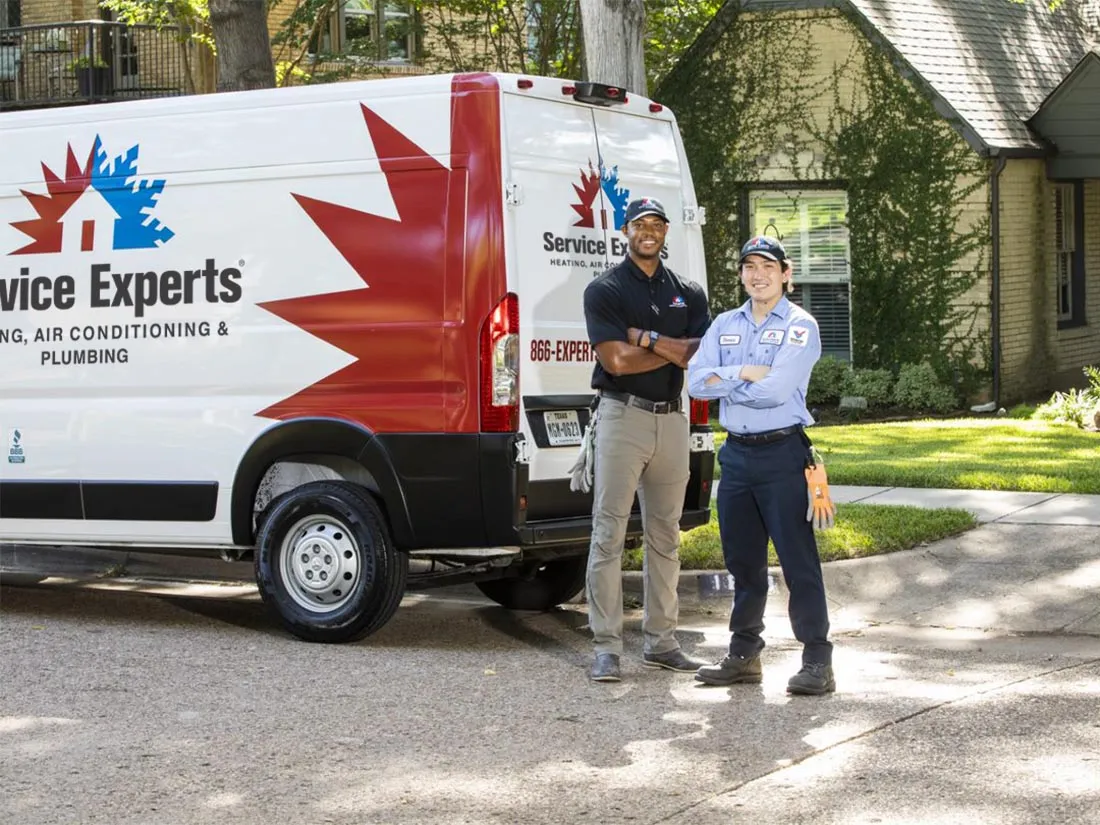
{"x": 729, "y": 340}
{"x": 798, "y": 336}
{"x": 678, "y": 303}
{"x": 772, "y": 336}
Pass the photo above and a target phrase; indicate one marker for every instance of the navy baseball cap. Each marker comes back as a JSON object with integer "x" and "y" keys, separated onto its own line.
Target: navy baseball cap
{"x": 764, "y": 246}
{"x": 640, "y": 207}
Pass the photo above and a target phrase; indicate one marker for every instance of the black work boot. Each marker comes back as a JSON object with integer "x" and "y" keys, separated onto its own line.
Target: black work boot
{"x": 732, "y": 670}
{"x": 674, "y": 660}
{"x": 606, "y": 668}
{"x": 815, "y": 679}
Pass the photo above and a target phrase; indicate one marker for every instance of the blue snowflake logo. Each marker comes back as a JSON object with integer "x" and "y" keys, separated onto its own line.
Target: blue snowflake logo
{"x": 132, "y": 198}
{"x": 617, "y": 196}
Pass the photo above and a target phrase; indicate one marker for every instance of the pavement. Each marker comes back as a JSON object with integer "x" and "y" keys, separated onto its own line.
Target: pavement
{"x": 968, "y": 685}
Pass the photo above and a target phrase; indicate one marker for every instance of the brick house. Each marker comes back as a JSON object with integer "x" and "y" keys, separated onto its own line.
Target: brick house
{"x": 49, "y": 49}
{"x": 1018, "y": 84}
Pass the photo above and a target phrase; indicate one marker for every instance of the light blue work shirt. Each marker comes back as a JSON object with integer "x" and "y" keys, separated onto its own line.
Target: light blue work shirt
{"x": 787, "y": 340}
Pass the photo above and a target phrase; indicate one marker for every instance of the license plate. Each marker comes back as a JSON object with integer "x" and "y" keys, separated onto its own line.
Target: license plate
{"x": 563, "y": 428}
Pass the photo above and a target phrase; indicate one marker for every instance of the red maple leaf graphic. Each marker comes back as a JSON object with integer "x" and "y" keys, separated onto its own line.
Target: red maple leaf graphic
{"x": 394, "y": 326}
{"x": 62, "y": 194}
{"x": 586, "y": 193}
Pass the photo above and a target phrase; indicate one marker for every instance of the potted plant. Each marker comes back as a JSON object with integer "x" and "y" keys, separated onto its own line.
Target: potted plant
{"x": 93, "y": 76}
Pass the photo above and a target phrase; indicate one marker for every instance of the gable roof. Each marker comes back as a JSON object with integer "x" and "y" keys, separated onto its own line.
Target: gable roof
{"x": 989, "y": 63}
{"x": 1070, "y": 119}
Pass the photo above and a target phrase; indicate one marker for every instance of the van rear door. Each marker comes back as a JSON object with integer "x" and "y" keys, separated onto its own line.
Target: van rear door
{"x": 570, "y": 169}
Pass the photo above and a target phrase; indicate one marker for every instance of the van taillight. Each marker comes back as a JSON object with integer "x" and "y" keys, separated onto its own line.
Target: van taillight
{"x": 700, "y": 412}
{"x": 500, "y": 368}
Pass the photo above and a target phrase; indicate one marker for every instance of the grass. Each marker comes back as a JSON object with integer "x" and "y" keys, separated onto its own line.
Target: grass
{"x": 861, "y": 530}
{"x": 974, "y": 454}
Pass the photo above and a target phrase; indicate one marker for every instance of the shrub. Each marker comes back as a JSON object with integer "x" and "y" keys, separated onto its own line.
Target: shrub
{"x": 1077, "y": 407}
{"x": 826, "y": 381}
{"x": 877, "y": 386}
{"x": 919, "y": 388}
{"x": 1066, "y": 408}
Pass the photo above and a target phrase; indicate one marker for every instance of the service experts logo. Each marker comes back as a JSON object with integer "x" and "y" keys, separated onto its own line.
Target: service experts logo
{"x": 100, "y": 204}
{"x": 615, "y": 200}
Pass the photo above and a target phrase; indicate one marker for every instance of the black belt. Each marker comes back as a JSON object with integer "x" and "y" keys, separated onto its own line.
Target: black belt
{"x": 659, "y": 407}
{"x": 769, "y": 437}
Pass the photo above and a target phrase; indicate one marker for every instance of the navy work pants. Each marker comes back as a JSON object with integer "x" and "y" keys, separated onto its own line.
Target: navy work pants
{"x": 762, "y": 493}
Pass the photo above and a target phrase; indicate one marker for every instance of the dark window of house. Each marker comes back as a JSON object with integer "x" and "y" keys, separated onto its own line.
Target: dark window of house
{"x": 1069, "y": 253}
{"x": 10, "y": 14}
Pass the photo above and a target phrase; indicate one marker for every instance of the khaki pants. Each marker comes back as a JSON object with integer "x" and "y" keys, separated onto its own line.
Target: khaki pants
{"x": 648, "y": 453}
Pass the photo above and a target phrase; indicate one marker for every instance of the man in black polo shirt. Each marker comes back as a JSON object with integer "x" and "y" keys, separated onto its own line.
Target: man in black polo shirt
{"x": 645, "y": 323}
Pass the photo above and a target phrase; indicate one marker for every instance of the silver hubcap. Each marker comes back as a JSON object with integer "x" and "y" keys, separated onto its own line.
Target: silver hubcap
{"x": 320, "y": 563}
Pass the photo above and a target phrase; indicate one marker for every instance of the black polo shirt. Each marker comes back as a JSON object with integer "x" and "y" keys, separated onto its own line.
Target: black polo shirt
{"x": 625, "y": 296}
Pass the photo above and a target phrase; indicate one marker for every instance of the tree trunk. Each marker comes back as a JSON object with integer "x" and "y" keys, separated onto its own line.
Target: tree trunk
{"x": 243, "y": 45}
{"x": 614, "y": 34}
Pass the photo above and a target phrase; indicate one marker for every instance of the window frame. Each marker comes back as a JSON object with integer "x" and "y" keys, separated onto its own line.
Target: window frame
{"x": 800, "y": 253}
{"x": 337, "y": 33}
{"x": 1071, "y": 259}
{"x": 7, "y": 19}
{"x": 801, "y": 193}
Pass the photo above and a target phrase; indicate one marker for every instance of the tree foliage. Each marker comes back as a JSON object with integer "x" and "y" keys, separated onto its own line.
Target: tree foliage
{"x": 191, "y": 18}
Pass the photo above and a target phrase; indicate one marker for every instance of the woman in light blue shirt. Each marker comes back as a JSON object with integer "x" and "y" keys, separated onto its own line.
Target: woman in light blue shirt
{"x": 756, "y": 360}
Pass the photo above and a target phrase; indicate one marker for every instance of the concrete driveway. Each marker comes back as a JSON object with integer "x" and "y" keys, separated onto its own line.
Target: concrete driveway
{"x": 968, "y": 691}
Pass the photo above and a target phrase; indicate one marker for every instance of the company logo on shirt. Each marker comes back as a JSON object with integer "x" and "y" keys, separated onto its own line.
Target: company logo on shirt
{"x": 615, "y": 198}
{"x": 798, "y": 336}
{"x": 772, "y": 336}
{"x": 99, "y": 204}
{"x": 678, "y": 303}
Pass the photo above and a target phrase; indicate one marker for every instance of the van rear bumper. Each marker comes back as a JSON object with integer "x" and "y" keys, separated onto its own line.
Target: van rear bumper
{"x": 557, "y": 515}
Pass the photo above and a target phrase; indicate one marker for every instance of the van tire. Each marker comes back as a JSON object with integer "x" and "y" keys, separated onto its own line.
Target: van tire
{"x": 541, "y": 586}
{"x": 312, "y": 539}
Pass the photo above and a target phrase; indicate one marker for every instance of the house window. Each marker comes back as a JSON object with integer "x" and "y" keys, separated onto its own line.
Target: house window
{"x": 10, "y": 14}
{"x": 373, "y": 29}
{"x": 1069, "y": 254}
{"x": 813, "y": 227}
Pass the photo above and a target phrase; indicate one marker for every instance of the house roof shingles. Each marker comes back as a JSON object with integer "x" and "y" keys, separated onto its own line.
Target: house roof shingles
{"x": 990, "y": 62}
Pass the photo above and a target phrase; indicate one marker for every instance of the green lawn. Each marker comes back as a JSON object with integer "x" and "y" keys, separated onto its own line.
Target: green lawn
{"x": 861, "y": 530}
{"x": 977, "y": 454}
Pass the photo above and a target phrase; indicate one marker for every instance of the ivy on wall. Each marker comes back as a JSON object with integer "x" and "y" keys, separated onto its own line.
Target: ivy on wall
{"x": 909, "y": 176}
{"x": 744, "y": 105}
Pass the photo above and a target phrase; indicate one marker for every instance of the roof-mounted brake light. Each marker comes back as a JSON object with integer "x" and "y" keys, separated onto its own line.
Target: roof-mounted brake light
{"x": 599, "y": 94}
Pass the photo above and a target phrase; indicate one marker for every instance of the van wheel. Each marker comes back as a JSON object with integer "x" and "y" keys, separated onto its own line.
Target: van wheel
{"x": 539, "y": 587}
{"x": 325, "y": 563}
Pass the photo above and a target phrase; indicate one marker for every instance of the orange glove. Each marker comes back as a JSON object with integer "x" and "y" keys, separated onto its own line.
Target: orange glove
{"x": 821, "y": 510}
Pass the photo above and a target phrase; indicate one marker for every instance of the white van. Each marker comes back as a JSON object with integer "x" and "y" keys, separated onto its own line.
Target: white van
{"x": 336, "y": 328}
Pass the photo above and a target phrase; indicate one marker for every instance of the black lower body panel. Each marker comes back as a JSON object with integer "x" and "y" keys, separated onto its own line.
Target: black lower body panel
{"x": 460, "y": 490}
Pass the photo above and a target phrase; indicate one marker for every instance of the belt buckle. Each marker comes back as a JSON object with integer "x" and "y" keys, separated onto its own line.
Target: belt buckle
{"x": 661, "y": 407}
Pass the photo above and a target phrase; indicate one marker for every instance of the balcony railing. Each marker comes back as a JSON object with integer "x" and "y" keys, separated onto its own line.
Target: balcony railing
{"x": 92, "y": 61}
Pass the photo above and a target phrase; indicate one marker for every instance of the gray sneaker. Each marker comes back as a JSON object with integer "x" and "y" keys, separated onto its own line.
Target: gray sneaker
{"x": 732, "y": 670}
{"x": 815, "y": 679}
{"x": 606, "y": 668}
{"x": 673, "y": 660}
